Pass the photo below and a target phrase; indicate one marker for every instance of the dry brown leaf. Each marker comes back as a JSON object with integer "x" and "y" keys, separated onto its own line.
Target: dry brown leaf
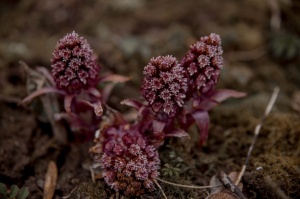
{"x": 50, "y": 180}
{"x": 223, "y": 195}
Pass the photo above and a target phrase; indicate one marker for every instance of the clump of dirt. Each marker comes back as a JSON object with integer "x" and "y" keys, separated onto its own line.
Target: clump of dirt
{"x": 16, "y": 132}
{"x": 27, "y": 147}
{"x": 90, "y": 190}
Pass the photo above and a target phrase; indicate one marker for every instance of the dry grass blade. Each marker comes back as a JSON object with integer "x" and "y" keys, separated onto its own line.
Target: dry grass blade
{"x": 162, "y": 191}
{"x": 187, "y": 186}
{"x": 69, "y": 195}
{"x": 256, "y": 132}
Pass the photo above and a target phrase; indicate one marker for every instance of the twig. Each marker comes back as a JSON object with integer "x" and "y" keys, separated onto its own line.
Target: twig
{"x": 72, "y": 191}
{"x": 275, "y": 22}
{"x": 188, "y": 186}
{"x": 231, "y": 186}
{"x": 256, "y": 133}
{"x": 92, "y": 173}
{"x": 162, "y": 191}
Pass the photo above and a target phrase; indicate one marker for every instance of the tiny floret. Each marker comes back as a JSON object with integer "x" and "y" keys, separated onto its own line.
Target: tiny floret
{"x": 203, "y": 63}
{"x": 73, "y": 65}
{"x": 164, "y": 85}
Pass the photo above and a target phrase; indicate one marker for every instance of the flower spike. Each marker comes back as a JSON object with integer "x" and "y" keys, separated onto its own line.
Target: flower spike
{"x": 203, "y": 63}
{"x": 164, "y": 85}
{"x": 73, "y": 65}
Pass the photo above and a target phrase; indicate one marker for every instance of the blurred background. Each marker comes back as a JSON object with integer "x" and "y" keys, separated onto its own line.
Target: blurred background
{"x": 260, "y": 37}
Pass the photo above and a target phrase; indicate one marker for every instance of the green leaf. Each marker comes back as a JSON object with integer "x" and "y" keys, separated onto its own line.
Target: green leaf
{"x": 3, "y": 189}
{"x": 23, "y": 193}
{"x": 13, "y": 191}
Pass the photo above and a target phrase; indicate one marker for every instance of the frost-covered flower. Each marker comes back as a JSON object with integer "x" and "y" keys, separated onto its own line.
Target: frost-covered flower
{"x": 73, "y": 65}
{"x": 165, "y": 84}
{"x": 129, "y": 164}
{"x": 203, "y": 63}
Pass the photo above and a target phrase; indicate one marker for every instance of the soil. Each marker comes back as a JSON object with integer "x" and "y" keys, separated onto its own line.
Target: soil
{"x": 125, "y": 35}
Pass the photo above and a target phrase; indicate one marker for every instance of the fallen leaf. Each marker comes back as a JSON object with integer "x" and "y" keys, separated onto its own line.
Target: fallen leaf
{"x": 50, "y": 180}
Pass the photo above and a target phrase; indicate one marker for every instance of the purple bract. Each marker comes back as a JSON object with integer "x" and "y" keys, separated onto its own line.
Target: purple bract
{"x": 73, "y": 65}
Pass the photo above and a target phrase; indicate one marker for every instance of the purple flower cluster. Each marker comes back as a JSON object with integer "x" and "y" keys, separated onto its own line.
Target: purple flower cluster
{"x": 73, "y": 65}
{"x": 129, "y": 164}
{"x": 165, "y": 84}
{"x": 185, "y": 90}
{"x": 203, "y": 63}
{"x": 127, "y": 153}
{"x": 168, "y": 85}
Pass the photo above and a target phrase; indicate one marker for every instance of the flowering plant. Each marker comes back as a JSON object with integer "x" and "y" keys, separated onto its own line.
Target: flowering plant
{"x": 129, "y": 162}
{"x": 177, "y": 95}
{"x": 180, "y": 94}
{"x": 75, "y": 77}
